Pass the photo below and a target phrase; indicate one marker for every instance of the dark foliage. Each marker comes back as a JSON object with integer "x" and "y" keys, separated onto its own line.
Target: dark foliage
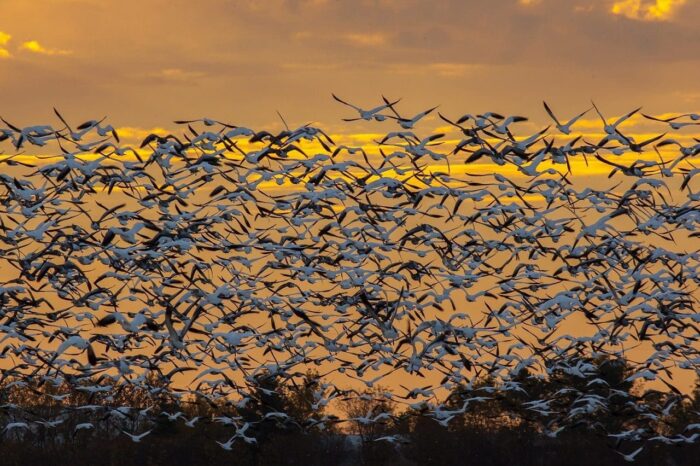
{"x": 497, "y": 430}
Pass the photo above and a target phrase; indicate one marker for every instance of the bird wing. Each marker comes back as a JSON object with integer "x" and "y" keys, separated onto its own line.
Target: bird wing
{"x": 551, "y": 113}
{"x": 346, "y": 103}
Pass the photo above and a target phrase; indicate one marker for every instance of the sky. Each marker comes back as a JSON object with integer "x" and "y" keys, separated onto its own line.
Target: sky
{"x": 144, "y": 63}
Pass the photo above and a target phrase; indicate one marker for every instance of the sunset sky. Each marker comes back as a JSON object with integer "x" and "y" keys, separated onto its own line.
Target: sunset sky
{"x": 146, "y": 63}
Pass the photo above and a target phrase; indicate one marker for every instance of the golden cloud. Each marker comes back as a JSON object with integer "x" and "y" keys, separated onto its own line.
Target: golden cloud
{"x": 180, "y": 74}
{"x": 311, "y": 66}
{"x": 35, "y": 47}
{"x": 443, "y": 69}
{"x": 4, "y": 39}
{"x": 453, "y": 69}
{"x": 657, "y": 10}
{"x": 133, "y": 133}
{"x": 366, "y": 39}
{"x": 177, "y": 75}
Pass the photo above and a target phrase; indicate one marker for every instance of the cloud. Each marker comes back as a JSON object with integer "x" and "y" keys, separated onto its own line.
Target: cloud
{"x": 366, "y": 40}
{"x": 657, "y": 10}
{"x": 175, "y": 76}
{"x": 312, "y": 66}
{"x": 131, "y": 133}
{"x": 34, "y": 46}
{"x": 689, "y": 96}
{"x": 178, "y": 74}
{"x": 302, "y": 35}
{"x": 442, "y": 69}
{"x": 294, "y": 53}
{"x": 4, "y": 39}
{"x": 452, "y": 70}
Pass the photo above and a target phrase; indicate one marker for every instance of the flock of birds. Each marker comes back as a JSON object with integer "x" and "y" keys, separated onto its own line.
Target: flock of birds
{"x": 224, "y": 256}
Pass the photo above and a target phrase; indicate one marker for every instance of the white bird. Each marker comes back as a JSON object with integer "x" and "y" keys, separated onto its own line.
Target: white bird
{"x": 367, "y": 115}
{"x": 228, "y": 445}
{"x": 136, "y": 438}
{"x": 408, "y": 123}
{"x": 16, "y": 425}
{"x": 192, "y": 421}
{"x": 83, "y": 426}
{"x": 391, "y": 439}
{"x": 611, "y": 129}
{"x": 631, "y": 456}
{"x": 173, "y": 416}
{"x": 564, "y": 128}
{"x": 554, "y": 433}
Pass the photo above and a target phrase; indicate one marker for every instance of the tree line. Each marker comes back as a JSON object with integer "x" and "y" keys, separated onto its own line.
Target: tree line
{"x": 288, "y": 425}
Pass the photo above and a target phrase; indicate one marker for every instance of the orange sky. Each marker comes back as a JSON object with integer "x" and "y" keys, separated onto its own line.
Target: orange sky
{"x": 146, "y": 63}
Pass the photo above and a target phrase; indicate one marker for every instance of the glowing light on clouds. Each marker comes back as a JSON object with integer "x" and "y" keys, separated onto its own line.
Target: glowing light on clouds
{"x": 658, "y": 10}
{"x": 35, "y": 47}
{"x": 4, "y": 39}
